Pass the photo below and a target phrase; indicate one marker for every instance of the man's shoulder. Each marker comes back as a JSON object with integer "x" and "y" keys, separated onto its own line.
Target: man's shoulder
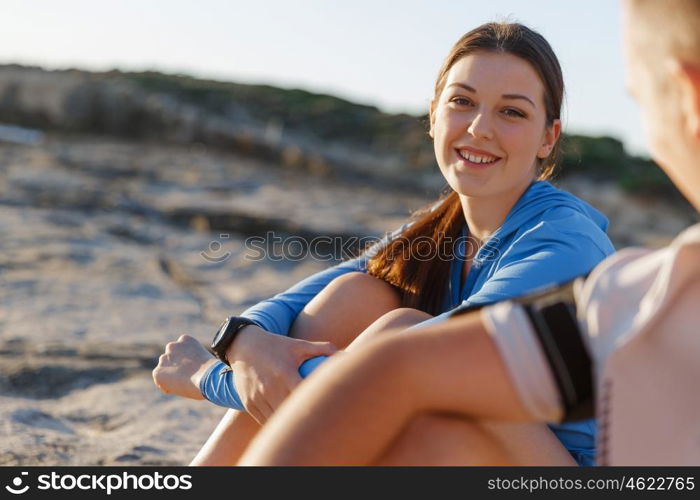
{"x": 638, "y": 281}
{"x": 690, "y": 236}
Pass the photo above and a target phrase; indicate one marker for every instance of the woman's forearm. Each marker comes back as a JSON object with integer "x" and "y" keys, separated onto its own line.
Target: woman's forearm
{"x": 352, "y": 409}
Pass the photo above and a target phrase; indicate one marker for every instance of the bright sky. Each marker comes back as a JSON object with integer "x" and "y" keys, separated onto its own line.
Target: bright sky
{"x": 381, "y": 52}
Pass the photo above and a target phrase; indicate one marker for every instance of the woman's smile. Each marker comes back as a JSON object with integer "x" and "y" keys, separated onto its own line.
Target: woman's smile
{"x": 476, "y": 158}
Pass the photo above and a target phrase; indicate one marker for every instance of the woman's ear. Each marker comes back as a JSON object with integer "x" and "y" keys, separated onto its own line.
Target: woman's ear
{"x": 431, "y": 117}
{"x": 688, "y": 77}
{"x": 551, "y": 136}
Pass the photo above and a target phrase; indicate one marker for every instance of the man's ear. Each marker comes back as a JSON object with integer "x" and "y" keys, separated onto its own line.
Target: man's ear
{"x": 688, "y": 77}
{"x": 431, "y": 117}
{"x": 551, "y": 137}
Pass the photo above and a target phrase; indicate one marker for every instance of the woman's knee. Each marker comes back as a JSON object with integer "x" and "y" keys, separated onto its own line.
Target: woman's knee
{"x": 362, "y": 285}
{"x": 435, "y": 439}
{"x": 345, "y": 308}
{"x": 402, "y": 316}
{"x": 397, "y": 319}
{"x": 439, "y": 439}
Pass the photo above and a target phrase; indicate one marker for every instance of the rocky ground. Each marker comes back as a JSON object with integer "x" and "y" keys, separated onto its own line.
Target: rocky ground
{"x": 111, "y": 249}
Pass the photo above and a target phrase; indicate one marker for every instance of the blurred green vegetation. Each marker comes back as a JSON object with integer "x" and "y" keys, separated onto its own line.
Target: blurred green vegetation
{"x": 328, "y": 129}
{"x": 326, "y": 116}
{"x": 330, "y": 117}
{"x": 604, "y": 158}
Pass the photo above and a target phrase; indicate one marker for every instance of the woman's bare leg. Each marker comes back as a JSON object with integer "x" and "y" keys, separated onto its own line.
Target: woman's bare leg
{"x": 346, "y": 307}
{"x": 359, "y": 405}
{"x": 442, "y": 439}
{"x": 398, "y": 319}
{"x": 228, "y": 441}
{"x": 429, "y": 439}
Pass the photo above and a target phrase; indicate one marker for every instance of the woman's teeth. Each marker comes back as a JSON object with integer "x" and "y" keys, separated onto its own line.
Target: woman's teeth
{"x": 477, "y": 158}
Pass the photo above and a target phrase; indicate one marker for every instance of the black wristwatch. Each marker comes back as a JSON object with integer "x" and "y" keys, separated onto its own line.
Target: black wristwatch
{"x": 226, "y": 334}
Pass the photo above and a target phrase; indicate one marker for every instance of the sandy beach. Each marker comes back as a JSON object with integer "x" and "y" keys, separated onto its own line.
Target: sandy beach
{"x": 102, "y": 264}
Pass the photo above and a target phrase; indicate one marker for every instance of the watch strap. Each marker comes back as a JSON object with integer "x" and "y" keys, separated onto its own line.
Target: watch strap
{"x": 235, "y": 325}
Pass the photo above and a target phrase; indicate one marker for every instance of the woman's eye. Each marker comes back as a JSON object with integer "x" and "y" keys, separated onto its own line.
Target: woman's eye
{"x": 513, "y": 113}
{"x": 461, "y": 101}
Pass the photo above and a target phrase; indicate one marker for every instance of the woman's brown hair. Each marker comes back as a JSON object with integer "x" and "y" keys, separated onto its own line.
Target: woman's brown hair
{"x": 422, "y": 282}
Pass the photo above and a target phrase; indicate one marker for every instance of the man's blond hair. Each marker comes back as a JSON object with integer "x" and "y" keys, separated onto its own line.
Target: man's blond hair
{"x": 674, "y": 23}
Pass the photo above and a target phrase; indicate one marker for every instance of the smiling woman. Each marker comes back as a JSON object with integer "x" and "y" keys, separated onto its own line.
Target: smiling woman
{"x": 495, "y": 124}
{"x": 494, "y": 119}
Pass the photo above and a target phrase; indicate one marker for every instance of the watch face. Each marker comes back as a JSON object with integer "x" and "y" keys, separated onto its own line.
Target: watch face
{"x": 220, "y": 333}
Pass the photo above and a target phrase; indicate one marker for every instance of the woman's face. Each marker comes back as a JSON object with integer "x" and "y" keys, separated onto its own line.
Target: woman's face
{"x": 489, "y": 125}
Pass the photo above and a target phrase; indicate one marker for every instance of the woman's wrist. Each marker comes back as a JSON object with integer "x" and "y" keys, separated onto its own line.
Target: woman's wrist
{"x": 196, "y": 377}
{"x": 242, "y": 343}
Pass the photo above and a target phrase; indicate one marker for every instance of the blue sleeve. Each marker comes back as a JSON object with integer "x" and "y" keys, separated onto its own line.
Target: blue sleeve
{"x": 277, "y": 314}
{"x": 549, "y": 253}
{"x": 218, "y": 384}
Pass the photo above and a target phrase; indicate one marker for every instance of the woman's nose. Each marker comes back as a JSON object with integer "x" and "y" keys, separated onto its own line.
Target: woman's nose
{"x": 481, "y": 126}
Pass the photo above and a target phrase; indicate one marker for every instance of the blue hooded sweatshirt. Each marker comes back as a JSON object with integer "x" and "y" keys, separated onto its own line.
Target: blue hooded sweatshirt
{"x": 549, "y": 236}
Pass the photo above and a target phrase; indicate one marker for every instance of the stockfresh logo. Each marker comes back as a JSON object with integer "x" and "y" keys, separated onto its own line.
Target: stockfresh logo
{"x": 17, "y": 487}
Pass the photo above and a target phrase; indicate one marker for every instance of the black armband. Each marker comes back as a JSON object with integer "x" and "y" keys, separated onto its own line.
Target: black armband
{"x": 552, "y": 314}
